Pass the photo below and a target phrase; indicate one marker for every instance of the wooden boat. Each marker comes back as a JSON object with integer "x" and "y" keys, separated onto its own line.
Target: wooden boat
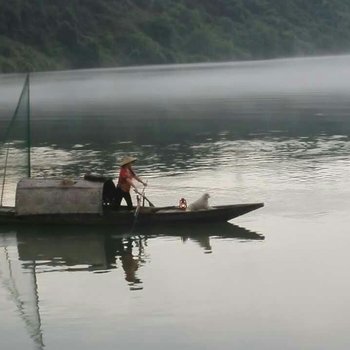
{"x": 79, "y": 201}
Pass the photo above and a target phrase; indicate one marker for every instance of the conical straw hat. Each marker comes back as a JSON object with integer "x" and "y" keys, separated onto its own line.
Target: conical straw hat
{"x": 127, "y": 160}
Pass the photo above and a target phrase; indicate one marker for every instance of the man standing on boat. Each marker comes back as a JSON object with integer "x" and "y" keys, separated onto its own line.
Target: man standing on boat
{"x": 125, "y": 182}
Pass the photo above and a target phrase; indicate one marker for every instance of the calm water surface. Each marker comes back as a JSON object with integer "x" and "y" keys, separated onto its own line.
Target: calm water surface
{"x": 274, "y": 132}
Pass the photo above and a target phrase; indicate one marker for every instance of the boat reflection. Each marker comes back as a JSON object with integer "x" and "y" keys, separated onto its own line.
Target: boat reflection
{"x": 44, "y": 249}
{"x": 102, "y": 249}
{"x": 77, "y": 249}
{"x": 203, "y": 233}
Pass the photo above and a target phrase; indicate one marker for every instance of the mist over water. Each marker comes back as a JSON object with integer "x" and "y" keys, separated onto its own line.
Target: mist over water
{"x": 205, "y": 90}
{"x": 266, "y": 131}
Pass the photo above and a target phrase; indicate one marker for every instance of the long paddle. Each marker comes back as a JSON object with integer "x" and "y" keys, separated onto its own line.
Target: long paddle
{"x": 138, "y": 206}
{"x": 142, "y": 194}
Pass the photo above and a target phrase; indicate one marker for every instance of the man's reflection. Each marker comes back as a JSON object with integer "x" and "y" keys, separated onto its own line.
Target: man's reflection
{"x": 130, "y": 262}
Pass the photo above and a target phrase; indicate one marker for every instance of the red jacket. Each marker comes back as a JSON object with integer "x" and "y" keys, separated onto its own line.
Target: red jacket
{"x": 124, "y": 175}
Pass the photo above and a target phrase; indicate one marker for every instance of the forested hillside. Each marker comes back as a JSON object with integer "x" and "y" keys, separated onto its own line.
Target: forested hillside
{"x": 60, "y": 34}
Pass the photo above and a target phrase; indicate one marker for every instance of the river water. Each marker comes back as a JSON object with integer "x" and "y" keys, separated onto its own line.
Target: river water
{"x": 269, "y": 131}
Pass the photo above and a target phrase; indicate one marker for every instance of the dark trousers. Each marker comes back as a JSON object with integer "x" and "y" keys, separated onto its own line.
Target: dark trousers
{"x": 119, "y": 195}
